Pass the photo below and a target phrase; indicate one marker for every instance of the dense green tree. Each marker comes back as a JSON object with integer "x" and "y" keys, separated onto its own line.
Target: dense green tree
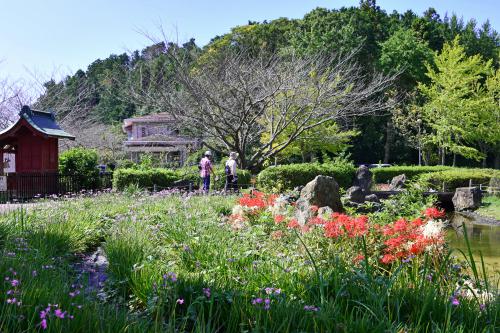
{"x": 454, "y": 101}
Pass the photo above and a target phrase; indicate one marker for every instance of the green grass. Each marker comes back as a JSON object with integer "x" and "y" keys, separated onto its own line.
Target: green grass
{"x": 146, "y": 238}
{"x": 490, "y": 207}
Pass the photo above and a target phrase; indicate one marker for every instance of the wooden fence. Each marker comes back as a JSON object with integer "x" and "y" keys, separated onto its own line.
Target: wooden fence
{"x": 22, "y": 187}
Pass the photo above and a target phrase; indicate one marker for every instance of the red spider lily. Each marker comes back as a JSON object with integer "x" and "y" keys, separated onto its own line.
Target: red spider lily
{"x": 317, "y": 220}
{"x": 406, "y": 239}
{"x": 293, "y": 224}
{"x": 387, "y": 259}
{"x": 343, "y": 224}
{"x": 278, "y": 219}
{"x": 257, "y": 199}
{"x": 358, "y": 258}
{"x": 434, "y": 213}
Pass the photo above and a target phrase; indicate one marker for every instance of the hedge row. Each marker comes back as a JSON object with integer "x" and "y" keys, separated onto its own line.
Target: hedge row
{"x": 192, "y": 174}
{"x": 163, "y": 178}
{"x": 385, "y": 175}
{"x": 286, "y": 177}
{"x": 122, "y": 178}
{"x": 457, "y": 177}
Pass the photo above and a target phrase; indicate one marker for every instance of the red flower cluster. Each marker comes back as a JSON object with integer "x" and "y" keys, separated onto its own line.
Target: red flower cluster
{"x": 257, "y": 199}
{"x": 406, "y": 239}
{"x": 434, "y": 213}
{"x": 342, "y": 224}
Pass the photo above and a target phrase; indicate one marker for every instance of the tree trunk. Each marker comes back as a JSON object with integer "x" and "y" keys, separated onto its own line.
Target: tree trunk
{"x": 497, "y": 160}
{"x": 389, "y": 139}
{"x": 443, "y": 156}
{"x": 454, "y": 160}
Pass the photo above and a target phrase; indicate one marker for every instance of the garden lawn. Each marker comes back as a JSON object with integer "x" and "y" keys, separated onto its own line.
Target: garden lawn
{"x": 176, "y": 264}
{"x": 490, "y": 207}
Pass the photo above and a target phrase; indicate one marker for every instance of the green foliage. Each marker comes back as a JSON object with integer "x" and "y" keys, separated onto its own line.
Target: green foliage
{"x": 162, "y": 178}
{"x": 384, "y": 175}
{"x": 148, "y": 239}
{"x": 192, "y": 174}
{"x": 457, "y": 177}
{"x": 404, "y": 53}
{"x": 455, "y": 100}
{"x": 82, "y": 163}
{"x": 286, "y": 177}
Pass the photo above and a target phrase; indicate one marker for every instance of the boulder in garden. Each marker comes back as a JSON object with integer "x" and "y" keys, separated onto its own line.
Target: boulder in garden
{"x": 397, "y": 183}
{"x": 363, "y": 178}
{"x": 467, "y": 198}
{"x": 322, "y": 191}
{"x": 355, "y": 194}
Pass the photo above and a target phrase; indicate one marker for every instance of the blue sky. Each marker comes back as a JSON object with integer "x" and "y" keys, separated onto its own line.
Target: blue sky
{"x": 61, "y": 36}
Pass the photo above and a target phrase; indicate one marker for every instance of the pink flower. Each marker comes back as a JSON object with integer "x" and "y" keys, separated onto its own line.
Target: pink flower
{"x": 59, "y": 313}
{"x": 180, "y": 301}
{"x": 43, "y": 324}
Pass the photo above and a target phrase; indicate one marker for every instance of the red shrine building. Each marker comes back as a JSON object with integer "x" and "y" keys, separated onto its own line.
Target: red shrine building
{"x": 31, "y": 144}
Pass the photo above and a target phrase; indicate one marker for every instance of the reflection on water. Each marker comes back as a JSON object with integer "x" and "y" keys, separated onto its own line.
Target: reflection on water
{"x": 484, "y": 238}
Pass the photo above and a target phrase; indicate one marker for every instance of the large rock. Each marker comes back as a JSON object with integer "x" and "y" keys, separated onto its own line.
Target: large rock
{"x": 467, "y": 198}
{"x": 363, "y": 178}
{"x": 322, "y": 191}
{"x": 397, "y": 183}
{"x": 355, "y": 194}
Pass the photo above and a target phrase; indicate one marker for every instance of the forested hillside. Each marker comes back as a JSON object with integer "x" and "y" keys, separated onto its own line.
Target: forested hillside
{"x": 406, "y": 44}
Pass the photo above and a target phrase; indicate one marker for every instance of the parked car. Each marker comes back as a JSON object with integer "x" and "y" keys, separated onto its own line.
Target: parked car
{"x": 378, "y": 165}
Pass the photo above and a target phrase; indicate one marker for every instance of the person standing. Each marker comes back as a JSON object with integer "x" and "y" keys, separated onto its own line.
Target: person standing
{"x": 206, "y": 169}
{"x": 231, "y": 175}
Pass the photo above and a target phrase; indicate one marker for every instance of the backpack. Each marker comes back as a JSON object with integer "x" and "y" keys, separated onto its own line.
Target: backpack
{"x": 227, "y": 170}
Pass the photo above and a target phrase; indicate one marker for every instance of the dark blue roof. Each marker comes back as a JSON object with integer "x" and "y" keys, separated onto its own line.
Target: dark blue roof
{"x": 44, "y": 122}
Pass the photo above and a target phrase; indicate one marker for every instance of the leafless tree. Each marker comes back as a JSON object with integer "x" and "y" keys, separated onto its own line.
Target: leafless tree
{"x": 243, "y": 104}
{"x": 12, "y": 97}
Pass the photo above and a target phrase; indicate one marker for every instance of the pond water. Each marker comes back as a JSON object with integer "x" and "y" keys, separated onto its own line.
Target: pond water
{"x": 482, "y": 237}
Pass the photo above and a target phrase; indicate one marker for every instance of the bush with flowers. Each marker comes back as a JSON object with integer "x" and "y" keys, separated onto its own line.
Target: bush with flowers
{"x": 400, "y": 240}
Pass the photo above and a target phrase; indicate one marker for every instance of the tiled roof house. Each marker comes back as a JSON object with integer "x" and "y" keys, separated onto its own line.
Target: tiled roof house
{"x": 159, "y": 135}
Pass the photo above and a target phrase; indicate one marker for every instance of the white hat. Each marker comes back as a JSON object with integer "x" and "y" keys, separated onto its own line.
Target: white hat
{"x": 208, "y": 153}
{"x": 233, "y": 155}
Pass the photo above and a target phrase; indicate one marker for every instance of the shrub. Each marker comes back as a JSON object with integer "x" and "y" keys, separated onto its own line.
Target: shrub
{"x": 143, "y": 178}
{"x": 458, "y": 177}
{"x": 384, "y": 175}
{"x": 286, "y": 177}
{"x": 192, "y": 174}
{"x": 147, "y": 178}
{"x": 82, "y": 163}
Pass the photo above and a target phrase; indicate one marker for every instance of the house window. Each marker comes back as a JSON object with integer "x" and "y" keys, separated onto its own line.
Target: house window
{"x": 143, "y": 132}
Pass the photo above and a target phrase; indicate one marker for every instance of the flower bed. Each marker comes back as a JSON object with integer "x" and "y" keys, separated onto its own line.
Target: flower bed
{"x": 181, "y": 263}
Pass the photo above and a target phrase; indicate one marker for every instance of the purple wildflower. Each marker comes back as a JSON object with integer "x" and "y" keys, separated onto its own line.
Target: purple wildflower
{"x": 14, "y": 283}
{"x": 206, "y": 292}
{"x": 455, "y": 301}
{"x": 180, "y": 301}
{"x": 257, "y": 301}
{"x": 43, "y": 324}
{"x": 311, "y": 308}
{"x": 59, "y": 313}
